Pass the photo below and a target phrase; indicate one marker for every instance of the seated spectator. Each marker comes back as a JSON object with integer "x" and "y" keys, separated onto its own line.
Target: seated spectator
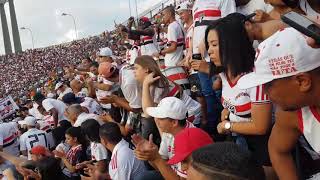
{"x": 123, "y": 164}
{"x": 223, "y": 161}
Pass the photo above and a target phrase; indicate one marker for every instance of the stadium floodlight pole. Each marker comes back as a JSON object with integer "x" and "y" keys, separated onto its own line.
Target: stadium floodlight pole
{"x": 130, "y": 7}
{"x": 28, "y": 29}
{"x": 74, "y": 23}
{"x": 137, "y": 12}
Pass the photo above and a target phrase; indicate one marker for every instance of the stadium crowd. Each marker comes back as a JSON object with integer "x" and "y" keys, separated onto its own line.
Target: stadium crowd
{"x": 205, "y": 89}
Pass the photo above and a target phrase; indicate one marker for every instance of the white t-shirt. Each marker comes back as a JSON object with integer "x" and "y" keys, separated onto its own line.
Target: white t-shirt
{"x": 123, "y": 164}
{"x": 239, "y": 101}
{"x": 46, "y": 127}
{"x": 92, "y": 105}
{"x": 130, "y": 87}
{"x": 35, "y": 112}
{"x": 150, "y": 48}
{"x": 84, "y": 116}
{"x": 166, "y": 150}
{"x": 9, "y": 138}
{"x": 33, "y": 137}
{"x": 254, "y": 5}
{"x": 208, "y": 10}
{"x": 175, "y": 34}
{"x": 101, "y": 93}
{"x": 311, "y": 13}
{"x": 49, "y": 104}
{"x": 133, "y": 54}
{"x": 98, "y": 151}
{"x": 63, "y": 147}
{"x": 83, "y": 93}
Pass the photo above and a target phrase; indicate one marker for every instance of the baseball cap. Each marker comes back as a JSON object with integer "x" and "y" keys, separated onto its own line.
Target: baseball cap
{"x": 187, "y": 141}
{"x": 38, "y": 150}
{"x": 169, "y": 107}
{"x": 284, "y": 54}
{"x": 144, "y": 19}
{"x": 183, "y": 6}
{"x": 29, "y": 121}
{"x": 58, "y": 85}
{"x": 70, "y": 98}
{"x": 107, "y": 69}
{"x": 106, "y": 52}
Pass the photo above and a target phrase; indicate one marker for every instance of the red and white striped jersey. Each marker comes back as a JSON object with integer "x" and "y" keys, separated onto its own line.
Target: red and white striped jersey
{"x": 179, "y": 76}
{"x": 309, "y": 125}
{"x": 208, "y": 10}
{"x": 8, "y": 138}
{"x": 149, "y": 46}
{"x": 189, "y": 35}
{"x": 238, "y": 101}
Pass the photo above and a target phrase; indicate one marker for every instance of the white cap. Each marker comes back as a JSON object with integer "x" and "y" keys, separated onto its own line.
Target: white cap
{"x": 284, "y": 54}
{"x": 29, "y": 121}
{"x": 169, "y": 107}
{"x": 184, "y": 6}
{"x": 105, "y": 52}
{"x": 50, "y": 95}
{"x": 58, "y": 85}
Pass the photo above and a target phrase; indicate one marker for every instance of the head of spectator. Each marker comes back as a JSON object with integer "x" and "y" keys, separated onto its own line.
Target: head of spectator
{"x": 70, "y": 98}
{"x": 60, "y": 88}
{"x": 292, "y": 65}
{"x": 38, "y": 153}
{"x": 168, "y": 15}
{"x": 144, "y": 22}
{"x": 110, "y": 135}
{"x": 38, "y": 98}
{"x": 229, "y": 35}
{"x": 58, "y": 135}
{"x": 72, "y": 112}
{"x": 184, "y": 11}
{"x": 145, "y": 65}
{"x": 284, "y": 3}
{"x": 170, "y": 115}
{"x": 74, "y": 137}
{"x": 223, "y": 161}
{"x": 64, "y": 124}
{"x": 186, "y": 142}
{"x": 87, "y": 128}
{"x": 242, "y": 2}
{"x": 94, "y": 68}
{"x": 76, "y": 85}
{"x": 29, "y": 122}
{"x": 49, "y": 168}
{"x": 107, "y": 69}
{"x": 105, "y": 55}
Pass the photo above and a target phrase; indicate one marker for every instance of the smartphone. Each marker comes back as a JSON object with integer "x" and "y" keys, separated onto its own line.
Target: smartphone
{"x": 302, "y": 24}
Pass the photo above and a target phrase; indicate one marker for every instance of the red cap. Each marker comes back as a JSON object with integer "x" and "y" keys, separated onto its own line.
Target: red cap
{"x": 38, "y": 150}
{"x": 187, "y": 141}
{"x": 144, "y": 19}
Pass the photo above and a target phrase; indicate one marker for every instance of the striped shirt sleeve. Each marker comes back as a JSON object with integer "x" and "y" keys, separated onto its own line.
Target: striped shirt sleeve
{"x": 258, "y": 95}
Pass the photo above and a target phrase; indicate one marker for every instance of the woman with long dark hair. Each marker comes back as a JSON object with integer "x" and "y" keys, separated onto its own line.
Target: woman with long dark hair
{"x": 247, "y": 114}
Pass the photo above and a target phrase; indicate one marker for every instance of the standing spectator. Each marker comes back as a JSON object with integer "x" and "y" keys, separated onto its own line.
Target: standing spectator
{"x": 123, "y": 163}
{"x": 55, "y": 107}
{"x": 288, "y": 67}
{"x": 9, "y": 142}
{"x": 77, "y": 115}
{"x": 76, "y": 154}
{"x": 33, "y": 137}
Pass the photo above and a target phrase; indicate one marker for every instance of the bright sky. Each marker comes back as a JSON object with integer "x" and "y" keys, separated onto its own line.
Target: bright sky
{"x": 49, "y": 27}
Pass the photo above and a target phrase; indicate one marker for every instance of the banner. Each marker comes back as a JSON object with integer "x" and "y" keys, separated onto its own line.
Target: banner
{"x": 7, "y": 107}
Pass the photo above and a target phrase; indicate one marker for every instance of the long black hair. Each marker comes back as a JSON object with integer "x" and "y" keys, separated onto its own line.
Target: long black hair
{"x": 91, "y": 128}
{"x": 235, "y": 48}
{"x": 76, "y": 132}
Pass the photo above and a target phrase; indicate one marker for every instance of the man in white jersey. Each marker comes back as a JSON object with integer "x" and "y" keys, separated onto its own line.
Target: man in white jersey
{"x": 123, "y": 164}
{"x": 289, "y": 70}
{"x": 46, "y": 127}
{"x": 175, "y": 35}
{"x": 55, "y": 107}
{"x": 33, "y": 137}
{"x": 62, "y": 89}
{"x": 9, "y": 138}
{"x": 77, "y": 115}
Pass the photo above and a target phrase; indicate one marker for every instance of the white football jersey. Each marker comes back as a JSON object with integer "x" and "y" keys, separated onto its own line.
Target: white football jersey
{"x": 46, "y": 127}
{"x": 98, "y": 151}
{"x": 33, "y": 137}
{"x": 9, "y": 138}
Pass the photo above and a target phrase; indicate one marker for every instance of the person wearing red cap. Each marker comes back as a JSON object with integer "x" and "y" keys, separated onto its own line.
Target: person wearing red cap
{"x": 145, "y": 33}
{"x": 38, "y": 153}
{"x": 185, "y": 142}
